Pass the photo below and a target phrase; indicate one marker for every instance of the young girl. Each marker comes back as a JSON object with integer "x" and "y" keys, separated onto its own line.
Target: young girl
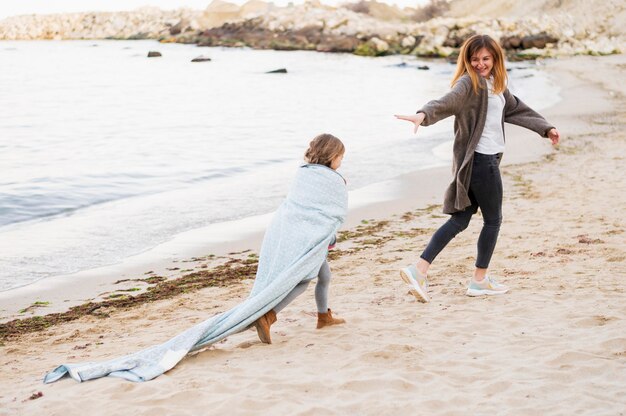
{"x": 293, "y": 253}
{"x": 325, "y": 151}
{"x": 480, "y": 102}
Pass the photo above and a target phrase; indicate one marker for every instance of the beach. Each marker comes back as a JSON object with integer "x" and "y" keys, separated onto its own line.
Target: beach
{"x": 554, "y": 345}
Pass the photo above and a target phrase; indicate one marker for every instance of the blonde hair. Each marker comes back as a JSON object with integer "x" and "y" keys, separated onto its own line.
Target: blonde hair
{"x": 323, "y": 149}
{"x": 464, "y": 63}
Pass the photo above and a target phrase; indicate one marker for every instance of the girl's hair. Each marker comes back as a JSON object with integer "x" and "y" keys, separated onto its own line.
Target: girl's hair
{"x": 464, "y": 63}
{"x": 323, "y": 149}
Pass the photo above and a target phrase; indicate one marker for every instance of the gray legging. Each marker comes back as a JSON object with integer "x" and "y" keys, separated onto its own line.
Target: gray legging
{"x": 321, "y": 290}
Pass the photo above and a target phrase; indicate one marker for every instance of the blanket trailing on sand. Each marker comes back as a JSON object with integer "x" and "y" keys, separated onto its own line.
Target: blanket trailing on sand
{"x": 294, "y": 247}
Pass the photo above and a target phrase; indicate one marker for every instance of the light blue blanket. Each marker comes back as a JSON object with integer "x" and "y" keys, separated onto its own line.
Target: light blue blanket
{"x": 294, "y": 247}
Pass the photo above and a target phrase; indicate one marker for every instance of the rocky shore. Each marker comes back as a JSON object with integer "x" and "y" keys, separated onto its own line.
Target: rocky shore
{"x": 366, "y": 28}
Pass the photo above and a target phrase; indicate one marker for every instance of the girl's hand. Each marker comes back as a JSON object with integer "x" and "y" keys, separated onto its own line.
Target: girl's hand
{"x": 416, "y": 119}
{"x": 554, "y": 136}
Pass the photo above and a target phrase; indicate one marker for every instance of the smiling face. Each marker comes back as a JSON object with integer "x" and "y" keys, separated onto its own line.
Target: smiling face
{"x": 482, "y": 62}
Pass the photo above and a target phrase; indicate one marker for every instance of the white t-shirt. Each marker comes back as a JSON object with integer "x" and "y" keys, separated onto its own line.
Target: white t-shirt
{"x": 492, "y": 139}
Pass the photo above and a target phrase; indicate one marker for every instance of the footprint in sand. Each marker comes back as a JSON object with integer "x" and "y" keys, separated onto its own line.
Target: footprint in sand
{"x": 571, "y": 358}
{"x": 383, "y": 300}
{"x": 584, "y": 239}
{"x": 616, "y": 344}
{"x": 246, "y": 344}
{"x": 597, "y": 320}
{"x": 564, "y": 251}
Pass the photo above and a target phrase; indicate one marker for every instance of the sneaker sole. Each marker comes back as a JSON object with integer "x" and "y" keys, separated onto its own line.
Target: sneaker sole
{"x": 474, "y": 292}
{"x": 415, "y": 290}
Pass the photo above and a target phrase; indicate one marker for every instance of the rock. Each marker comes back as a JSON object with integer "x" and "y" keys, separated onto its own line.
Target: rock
{"x": 278, "y": 71}
{"x": 456, "y": 38}
{"x": 451, "y": 42}
{"x": 380, "y": 46}
{"x": 373, "y": 47}
{"x": 434, "y": 52}
{"x": 219, "y": 12}
{"x": 201, "y": 58}
{"x": 600, "y": 47}
{"x": 337, "y": 44}
{"x": 530, "y": 54}
{"x": 255, "y": 7}
{"x": 378, "y": 10}
{"x": 312, "y": 33}
{"x": 365, "y": 49}
{"x": 360, "y": 7}
{"x": 221, "y": 6}
{"x": 537, "y": 41}
{"x": 171, "y": 39}
{"x": 423, "y": 67}
{"x": 154, "y": 54}
{"x": 178, "y": 27}
{"x": 139, "y": 36}
{"x": 511, "y": 42}
{"x": 408, "y": 42}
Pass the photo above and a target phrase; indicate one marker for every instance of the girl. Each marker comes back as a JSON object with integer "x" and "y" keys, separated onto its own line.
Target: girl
{"x": 293, "y": 253}
{"x": 324, "y": 151}
{"x": 480, "y": 102}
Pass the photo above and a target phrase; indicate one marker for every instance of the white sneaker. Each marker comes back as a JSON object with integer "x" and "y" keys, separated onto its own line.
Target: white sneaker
{"x": 487, "y": 286}
{"x": 418, "y": 283}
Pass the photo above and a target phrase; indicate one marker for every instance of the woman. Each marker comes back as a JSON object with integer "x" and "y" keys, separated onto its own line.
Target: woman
{"x": 480, "y": 102}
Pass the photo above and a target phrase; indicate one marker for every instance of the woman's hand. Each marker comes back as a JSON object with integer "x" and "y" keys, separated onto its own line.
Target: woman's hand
{"x": 554, "y": 136}
{"x": 416, "y": 119}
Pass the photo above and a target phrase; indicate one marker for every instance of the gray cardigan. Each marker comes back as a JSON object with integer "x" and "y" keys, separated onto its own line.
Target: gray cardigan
{"x": 470, "y": 112}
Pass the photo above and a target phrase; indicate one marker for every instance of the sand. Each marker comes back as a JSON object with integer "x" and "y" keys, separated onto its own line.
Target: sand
{"x": 555, "y": 345}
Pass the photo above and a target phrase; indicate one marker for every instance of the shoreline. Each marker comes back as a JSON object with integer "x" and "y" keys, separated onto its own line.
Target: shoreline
{"x": 220, "y": 240}
{"x": 553, "y": 345}
{"x": 62, "y": 292}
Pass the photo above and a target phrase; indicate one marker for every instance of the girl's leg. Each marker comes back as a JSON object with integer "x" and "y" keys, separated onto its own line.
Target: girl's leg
{"x": 321, "y": 288}
{"x": 324, "y": 314}
{"x": 486, "y": 187}
{"x": 297, "y": 291}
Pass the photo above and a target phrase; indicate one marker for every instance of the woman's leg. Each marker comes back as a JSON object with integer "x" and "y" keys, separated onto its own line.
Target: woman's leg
{"x": 297, "y": 291}
{"x": 486, "y": 186}
{"x": 457, "y": 223}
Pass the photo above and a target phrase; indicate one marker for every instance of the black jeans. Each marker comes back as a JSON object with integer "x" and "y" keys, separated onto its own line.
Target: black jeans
{"x": 485, "y": 192}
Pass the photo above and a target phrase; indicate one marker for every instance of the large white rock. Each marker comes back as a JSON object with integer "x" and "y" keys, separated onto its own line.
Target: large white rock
{"x": 408, "y": 41}
{"x": 379, "y": 44}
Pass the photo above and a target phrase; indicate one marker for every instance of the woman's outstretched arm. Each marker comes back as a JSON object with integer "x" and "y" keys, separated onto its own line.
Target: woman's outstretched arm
{"x": 416, "y": 119}
{"x": 446, "y": 106}
{"x": 518, "y": 113}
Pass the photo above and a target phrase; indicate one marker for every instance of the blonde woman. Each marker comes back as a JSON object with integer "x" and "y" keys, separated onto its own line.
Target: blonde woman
{"x": 480, "y": 102}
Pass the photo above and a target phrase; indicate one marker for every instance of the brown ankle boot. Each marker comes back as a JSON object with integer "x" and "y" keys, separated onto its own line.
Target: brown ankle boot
{"x": 263, "y": 326}
{"x": 326, "y": 319}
